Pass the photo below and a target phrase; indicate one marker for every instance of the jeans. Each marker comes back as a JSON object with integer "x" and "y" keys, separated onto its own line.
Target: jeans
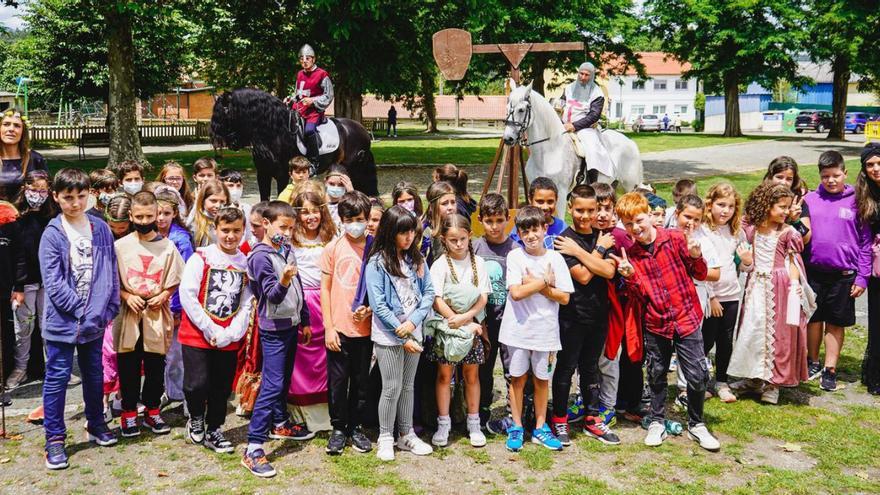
{"x": 609, "y": 372}
{"x": 582, "y": 344}
{"x": 129, "y": 364}
{"x": 691, "y": 361}
{"x": 270, "y": 408}
{"x": 347, "y": 375}
{"x": 207, "y": 382}
{"x": 59, "y": 363}
{"x": 29, "y": 312}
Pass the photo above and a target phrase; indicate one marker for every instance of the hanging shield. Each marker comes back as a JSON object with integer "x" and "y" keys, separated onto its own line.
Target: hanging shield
{"x": 452, "y": 52}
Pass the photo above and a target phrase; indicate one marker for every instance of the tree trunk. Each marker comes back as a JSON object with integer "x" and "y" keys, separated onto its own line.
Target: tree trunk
{"x": 538, "y": 67}
{"x": 347, "y": 103}
{"x": 731, "y": 107}
{"x": 840, "y": 65}
{"x": 429, "y": 105}
{"x": 125, "y": 142}
{"x": 280, "y": 86}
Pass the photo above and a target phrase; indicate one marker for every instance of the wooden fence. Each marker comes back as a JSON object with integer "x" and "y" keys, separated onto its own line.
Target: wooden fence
{"x": 195, "y": 130}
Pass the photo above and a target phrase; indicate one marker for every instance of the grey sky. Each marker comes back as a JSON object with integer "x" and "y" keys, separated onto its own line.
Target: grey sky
{"x": 9, "y": 17}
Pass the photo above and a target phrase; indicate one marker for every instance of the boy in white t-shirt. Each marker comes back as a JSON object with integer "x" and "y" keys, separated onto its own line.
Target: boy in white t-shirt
{"x": 689, "y": 219}
{"x": 538, "y": 281}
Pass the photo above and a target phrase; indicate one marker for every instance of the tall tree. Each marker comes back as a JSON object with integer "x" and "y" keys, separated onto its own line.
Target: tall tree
{"x": 836, "y": 32}
{"x": 730, "y": 43}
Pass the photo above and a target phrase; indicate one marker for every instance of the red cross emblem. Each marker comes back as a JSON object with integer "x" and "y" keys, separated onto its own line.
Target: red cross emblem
{"x": 140, "y": 279}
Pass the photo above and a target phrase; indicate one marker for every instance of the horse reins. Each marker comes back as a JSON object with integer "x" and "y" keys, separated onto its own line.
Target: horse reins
{"x": 524, "y": 125}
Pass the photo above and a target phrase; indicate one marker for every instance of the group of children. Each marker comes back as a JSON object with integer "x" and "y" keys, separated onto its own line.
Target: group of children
{"x": 171, "y": 295}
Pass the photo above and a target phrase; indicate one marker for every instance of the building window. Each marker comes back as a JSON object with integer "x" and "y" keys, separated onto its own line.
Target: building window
{"x": 618, "y": 109}
{"x": 638, "y": 109}
{"x": 659, "y": 84}
{"x": 681, "y": 109}
{"x": 658, "y": 109}
{"x": 638, "y": 85}
{"x": 681, "y": 84}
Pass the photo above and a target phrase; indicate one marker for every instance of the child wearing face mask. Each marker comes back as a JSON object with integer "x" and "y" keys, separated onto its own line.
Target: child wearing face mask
{"x": 308, "y": 384}
{"x": 104, "y": 184}
{"x": 131, "y": 176}
{"x": 232, "y": 180}
{"x": 36, "y": 209}
{"x": 150, "y": 268}
{"x": 337, "y": 183}
{"x": 406, "y": 195}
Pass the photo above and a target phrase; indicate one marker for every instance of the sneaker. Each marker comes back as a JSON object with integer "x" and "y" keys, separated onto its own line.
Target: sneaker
{"x": 724, "y": 393}
{"x": 74, "y": 380}
{"x": 635, "y": 416}
{"x": 336, "y": 443}
{"x": 101, "y": 435}
{"x": 514, "y": 438}
{"x": 385, "y": 449}
{"x": 544, "y": 436}
{"x": 608, "y": 416}
{"x": 214, "y": 440}
{"x": 441, "y": 436}
{"x": 291, "y": 431}
{"x": 414, "y": 444}
{"x": 577, "y": 411}
{"x": 828, "y": 382}
{"x": 814, "y": 369}
{"x": 16, "y": 379}
{"x": 594, "y": 427}
{"x": 499, "y": 426}
{"x": 770, "y": 394}
{"x": 700, "y": 434}
{"x": 195, "y": 430}
{"x": 475, "y": 433}
{"x": 656, "y": 434}
{"x": 128, "y": 422}
{"x": 681, "y": 402}
{"x": 56, "y": 455}
{"x": 359, "y": 441}
{"x": 560, "y": 429}
{"x": 153, "y": 420}
{"x": 257, "y": 464}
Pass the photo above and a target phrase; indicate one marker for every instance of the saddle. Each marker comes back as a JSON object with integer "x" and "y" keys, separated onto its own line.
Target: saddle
{"x": 328, "y": 138}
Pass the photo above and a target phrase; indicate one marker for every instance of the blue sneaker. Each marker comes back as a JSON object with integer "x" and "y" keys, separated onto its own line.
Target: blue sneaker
{"x": 56, "y": 455}
{"x": 515, "y": 438}
{"x": 101, "y": 435}
{"x": 577, "y": 411}
{"x": 257, "y": 464}
{"x": 499, "y": 426}
{"x": 543, "y": 436}
{"x": 609, "y": 417}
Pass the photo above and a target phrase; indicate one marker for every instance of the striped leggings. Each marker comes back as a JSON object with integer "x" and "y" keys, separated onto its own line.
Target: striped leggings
{"x": 398, "y": 369}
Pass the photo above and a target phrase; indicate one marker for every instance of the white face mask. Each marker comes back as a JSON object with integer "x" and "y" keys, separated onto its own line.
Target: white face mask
{"x": 235, "y": 194}
{"x": 335, "y": 191}
{"x": 355, "y": 229}
{"x": 132, "y": 188}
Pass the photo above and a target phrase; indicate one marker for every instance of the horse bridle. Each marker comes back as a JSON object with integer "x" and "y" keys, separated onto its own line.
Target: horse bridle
{"x": 521, "y": 127}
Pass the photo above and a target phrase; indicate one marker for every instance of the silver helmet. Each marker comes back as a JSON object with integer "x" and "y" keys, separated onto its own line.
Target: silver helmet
{"x": 306, "y": 51}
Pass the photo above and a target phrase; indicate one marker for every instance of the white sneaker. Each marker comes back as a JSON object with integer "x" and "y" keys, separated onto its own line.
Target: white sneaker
{"x": 700, "y": 434}
{"x": 385, "y": 450}
{"x": 412, "y": 443}
{"x": 724, "y": 393}
{"x": 478, "y": 439}
{"x": 441, "y": 436}
{"x": 656, "y": 434}
{"x": 770, "y": 395}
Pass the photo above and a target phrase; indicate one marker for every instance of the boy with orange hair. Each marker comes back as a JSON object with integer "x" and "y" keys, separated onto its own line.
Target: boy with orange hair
{"x": 658, "y": 270}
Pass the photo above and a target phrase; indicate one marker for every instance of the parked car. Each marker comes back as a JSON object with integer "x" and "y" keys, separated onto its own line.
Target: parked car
{"x": 855, "y": 122}
{"x": 647, "y": 122}
{"x": 816, "y": 120}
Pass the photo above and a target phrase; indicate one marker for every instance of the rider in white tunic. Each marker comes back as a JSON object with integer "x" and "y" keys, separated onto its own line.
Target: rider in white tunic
{"x": 583, "y": 106}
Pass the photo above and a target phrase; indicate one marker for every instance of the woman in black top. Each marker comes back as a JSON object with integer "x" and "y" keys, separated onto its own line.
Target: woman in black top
{"x": 17, "y": 157}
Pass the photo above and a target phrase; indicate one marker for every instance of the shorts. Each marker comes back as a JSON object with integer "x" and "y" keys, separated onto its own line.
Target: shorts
{"x": 834, "y": 305}
{"x": 542, "y": 363}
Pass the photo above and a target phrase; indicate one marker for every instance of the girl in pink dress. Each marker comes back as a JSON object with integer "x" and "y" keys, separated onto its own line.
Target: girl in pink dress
{"x": 770, "y": 347}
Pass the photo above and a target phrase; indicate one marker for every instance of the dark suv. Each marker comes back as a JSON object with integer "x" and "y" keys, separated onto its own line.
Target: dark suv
{"x": 818, "y": 121}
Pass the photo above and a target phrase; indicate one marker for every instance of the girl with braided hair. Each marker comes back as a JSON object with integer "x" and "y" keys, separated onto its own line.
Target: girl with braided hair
{"x": 461, "y": 286}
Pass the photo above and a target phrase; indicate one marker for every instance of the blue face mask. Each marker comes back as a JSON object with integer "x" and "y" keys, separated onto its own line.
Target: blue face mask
{"x": 335, "y": 191}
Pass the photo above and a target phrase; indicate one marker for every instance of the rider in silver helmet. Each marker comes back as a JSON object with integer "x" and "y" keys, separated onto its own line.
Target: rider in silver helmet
{"x": 314, "y": 93}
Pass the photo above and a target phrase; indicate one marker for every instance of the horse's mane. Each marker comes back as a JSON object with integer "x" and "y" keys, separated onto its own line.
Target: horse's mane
{"x": 250, "y": 117}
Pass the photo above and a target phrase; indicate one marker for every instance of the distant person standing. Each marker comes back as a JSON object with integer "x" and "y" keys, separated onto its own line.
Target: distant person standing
{"x": 676, "y": 122}
{"x": 392, "y": 120}
{"x": 665, "y": 121}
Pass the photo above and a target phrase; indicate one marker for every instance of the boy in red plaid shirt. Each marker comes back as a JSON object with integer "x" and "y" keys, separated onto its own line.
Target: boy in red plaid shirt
{"x": 658, "y": 270}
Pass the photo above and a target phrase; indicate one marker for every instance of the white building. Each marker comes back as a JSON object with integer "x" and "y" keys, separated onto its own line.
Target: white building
{"x": 663, "y": 92}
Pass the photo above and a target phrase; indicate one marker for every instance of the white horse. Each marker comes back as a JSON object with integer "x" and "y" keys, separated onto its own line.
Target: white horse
{"x": 533, "y": 120}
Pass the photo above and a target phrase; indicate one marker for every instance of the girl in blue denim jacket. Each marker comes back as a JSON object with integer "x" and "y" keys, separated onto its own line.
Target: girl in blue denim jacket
{"x": 401, "y": 295}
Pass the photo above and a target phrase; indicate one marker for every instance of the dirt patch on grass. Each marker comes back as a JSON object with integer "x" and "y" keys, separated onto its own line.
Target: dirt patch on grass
{"x": 769, "y": 452}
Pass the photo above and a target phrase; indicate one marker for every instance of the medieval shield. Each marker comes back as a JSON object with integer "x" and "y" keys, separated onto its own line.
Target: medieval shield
{"x": 452, "y": 52}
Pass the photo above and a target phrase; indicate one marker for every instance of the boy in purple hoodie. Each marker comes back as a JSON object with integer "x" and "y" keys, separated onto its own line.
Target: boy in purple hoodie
{"x": 838, "y": 265}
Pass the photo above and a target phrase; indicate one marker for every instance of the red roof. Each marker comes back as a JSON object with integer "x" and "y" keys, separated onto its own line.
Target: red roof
{"x": 656, "y": 64}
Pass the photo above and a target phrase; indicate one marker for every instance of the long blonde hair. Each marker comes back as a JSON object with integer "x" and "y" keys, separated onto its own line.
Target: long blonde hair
{"x": 436, "y": 191}
{"x": 202, "y": 225}
{"x": 716, "y": 192}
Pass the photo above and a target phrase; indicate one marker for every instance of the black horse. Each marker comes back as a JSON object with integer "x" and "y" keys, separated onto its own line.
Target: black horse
{"x": 250, "y": 117}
